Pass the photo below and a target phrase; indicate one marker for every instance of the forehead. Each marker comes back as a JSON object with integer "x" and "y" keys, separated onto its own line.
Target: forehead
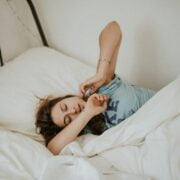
{"x": 56, "y": 114}
{"x": 69, "y": 99}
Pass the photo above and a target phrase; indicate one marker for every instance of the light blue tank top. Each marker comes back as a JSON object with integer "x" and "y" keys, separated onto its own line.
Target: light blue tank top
{"x": 125, "y": 100}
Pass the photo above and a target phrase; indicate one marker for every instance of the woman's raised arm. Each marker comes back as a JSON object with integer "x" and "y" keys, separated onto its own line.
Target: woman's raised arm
{"x": 109, "y": 43}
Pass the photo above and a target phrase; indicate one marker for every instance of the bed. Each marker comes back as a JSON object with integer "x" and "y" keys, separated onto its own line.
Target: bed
{"x": 145, "y": 146}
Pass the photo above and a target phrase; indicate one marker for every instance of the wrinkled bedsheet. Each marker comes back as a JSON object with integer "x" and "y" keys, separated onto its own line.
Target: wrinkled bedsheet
{"x": 145, "y": 146}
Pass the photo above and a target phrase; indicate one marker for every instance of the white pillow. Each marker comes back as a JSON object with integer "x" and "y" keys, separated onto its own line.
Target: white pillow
{"x": 37, "y": 72}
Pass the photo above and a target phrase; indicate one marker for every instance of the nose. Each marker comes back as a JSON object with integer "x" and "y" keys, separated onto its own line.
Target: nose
{"x": 72, "y": 111}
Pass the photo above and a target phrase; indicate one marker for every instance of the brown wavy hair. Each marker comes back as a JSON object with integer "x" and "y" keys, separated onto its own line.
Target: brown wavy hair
{"x": 48, "y": 129}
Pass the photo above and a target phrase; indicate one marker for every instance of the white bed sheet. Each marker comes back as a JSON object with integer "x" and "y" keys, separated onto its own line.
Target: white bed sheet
{"x": 145, "y": 146}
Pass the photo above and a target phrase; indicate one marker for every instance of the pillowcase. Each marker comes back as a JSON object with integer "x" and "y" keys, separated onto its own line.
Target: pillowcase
{"x": 37, "y": 72}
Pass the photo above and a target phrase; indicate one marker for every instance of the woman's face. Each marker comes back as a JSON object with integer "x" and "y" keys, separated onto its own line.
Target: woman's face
{"x": 67, "y": 110}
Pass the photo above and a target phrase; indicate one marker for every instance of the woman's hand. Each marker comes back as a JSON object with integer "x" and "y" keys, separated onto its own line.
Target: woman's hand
{"x": 96, "y": 104}
{"x": 93, "y": 83}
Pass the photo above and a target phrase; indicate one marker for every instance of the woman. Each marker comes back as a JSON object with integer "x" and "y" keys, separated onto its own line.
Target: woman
{"x": 110, "y": 101}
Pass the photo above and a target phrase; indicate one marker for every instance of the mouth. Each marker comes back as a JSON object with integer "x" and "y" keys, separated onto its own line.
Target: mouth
{"x": 79, "y": 108}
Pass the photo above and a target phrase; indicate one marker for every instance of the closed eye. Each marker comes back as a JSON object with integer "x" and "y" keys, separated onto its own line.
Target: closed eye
{"x": 63, "y": 107}
{"x": 67, "y": 120}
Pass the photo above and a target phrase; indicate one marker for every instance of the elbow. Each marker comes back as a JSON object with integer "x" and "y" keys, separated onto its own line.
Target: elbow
{"x": 114, "y": 24}
{"x": 53, "y": 149}
{"x": 116, "y": 29}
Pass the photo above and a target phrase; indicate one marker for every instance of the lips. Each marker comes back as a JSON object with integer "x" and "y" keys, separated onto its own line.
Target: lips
{"x": 79, "y": 108}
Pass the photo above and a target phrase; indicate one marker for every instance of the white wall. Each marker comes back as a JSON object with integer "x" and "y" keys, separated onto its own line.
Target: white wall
{"x": 149, "y": 54}
{"x": 17, "y": 28}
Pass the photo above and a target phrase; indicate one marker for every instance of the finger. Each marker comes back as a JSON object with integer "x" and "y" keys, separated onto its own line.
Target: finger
{"x": 105, "y": 97}
{"x": 93, "y": 89}
{"x": 101, "y": 100}
{"x": 97, "y": 96}
{"x": 84, "y": 87}
{"x": 96, "y": 99}
{"x": 81, "y": 94}
{"x": 101, "y": 97}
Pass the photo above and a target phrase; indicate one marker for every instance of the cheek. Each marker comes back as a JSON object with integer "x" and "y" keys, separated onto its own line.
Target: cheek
{"x": 56, "y": 119}
{"x": 74, "y": 116}
{"x": 57, "y": 122}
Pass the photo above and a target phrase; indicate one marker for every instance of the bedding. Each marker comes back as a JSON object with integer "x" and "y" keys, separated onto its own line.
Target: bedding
{"x": 39, "y": 72}
{"x": 144, "y": 147}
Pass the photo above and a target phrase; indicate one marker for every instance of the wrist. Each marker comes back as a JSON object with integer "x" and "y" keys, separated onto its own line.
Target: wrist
{"x": 102, "y": 75}
{"x": 87, "y": 114}
{"x": 103, "y": 68}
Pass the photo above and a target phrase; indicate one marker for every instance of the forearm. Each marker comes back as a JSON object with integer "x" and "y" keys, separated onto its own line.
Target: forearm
{"x": 69, "y": 133}
{"x": 109, "y": 42}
